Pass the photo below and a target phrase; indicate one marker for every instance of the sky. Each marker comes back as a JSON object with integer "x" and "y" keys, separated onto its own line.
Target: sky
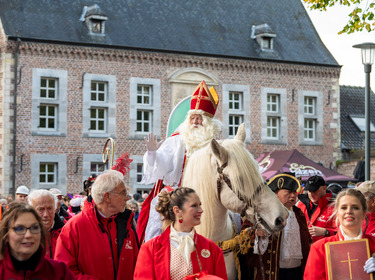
{"x": 328, "y": 24}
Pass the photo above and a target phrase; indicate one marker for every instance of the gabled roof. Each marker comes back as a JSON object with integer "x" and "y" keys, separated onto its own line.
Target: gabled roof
{"x": 205, "y": 27}
{"x": 352, "y": 104}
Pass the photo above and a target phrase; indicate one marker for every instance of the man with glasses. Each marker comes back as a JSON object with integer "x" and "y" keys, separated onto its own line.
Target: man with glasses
{"x": 45, "y": 204}
{"x": 100, "y": 240}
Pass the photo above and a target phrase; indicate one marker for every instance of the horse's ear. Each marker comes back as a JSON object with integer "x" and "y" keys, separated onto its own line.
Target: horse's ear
{"x": 219, "y": 151}
{"x": 241, "y": 133}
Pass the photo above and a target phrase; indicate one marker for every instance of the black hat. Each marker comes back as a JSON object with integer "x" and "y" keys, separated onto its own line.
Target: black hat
{"x": 314, "y": 183}
{"x": 284, "y": 181}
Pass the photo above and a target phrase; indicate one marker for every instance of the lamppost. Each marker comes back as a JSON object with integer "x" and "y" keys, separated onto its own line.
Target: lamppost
{"x": 367, "y": 52}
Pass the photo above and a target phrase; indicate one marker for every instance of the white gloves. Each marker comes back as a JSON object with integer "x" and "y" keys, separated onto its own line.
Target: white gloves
{"x": 152, "y": 142}
{"x": 370, "y": 265}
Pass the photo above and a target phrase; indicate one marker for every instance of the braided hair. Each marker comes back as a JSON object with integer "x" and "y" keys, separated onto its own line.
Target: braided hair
{"x": 167, "y": 200}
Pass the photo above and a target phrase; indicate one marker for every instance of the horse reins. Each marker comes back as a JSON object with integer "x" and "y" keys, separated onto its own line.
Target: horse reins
{"x": 223, "y": 177}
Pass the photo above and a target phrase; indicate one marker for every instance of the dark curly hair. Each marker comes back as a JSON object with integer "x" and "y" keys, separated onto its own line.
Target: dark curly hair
{"x": 15, "y": 210}
{"x": 167, "y": 200}
{"x": 89, "y": 182}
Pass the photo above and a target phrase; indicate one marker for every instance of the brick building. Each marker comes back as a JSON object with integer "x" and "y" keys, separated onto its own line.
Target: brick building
{"x": 77, "y": 72}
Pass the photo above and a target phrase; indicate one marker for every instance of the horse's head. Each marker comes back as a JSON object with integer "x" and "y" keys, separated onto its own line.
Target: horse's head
{"x": 241, "y": 188}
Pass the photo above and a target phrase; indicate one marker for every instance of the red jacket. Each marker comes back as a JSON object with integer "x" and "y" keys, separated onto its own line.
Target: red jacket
{"x": 84, "y": 245}
{"x": 322, "y": 214}
{"x": 316, "y": 266}
{"x": 54, "y": 233}
{"x": 154, "y": 258}
{"x": 368, "y": 226}
{"x": 46, "y": 269}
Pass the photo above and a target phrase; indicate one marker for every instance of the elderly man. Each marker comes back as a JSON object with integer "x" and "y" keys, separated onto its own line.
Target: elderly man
{"x": 285, "y": 253}
{"x": 99, "y": 242}
{"x": 367, "y": 188}
{"x": 45, "y": 204}
{"x": 21, "y": 194}
{"x": 316, "y": 205}
{"x": 164, "y": 161}
{"x": 63, "y": 214}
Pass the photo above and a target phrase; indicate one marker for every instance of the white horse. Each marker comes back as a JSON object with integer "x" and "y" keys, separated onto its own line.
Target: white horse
{"x": 226, "y": 177}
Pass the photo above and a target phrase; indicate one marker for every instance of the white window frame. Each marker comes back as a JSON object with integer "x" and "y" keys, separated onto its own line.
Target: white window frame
{"x": 243, "y": 112}
{"x": 109, "y": 104}
{"x": 154, "y": 107}
{"x": 309, "y": 109}
{"x": 59, "y": 101}
{"x": 87, "y": 160}
{"x": 98, "y": 92}
{"x": 316, "y": 117}
{"x": 280, "y": 114}
{"x": 96, "y": 119}
{"x": 46, "y": 173}
{"x": 59, "y": 160}
{"x": 309, "y": 129}
{"x": 133, "y": 173}
{"x": 47, "y": 117}
{"x": 273, "y": 127}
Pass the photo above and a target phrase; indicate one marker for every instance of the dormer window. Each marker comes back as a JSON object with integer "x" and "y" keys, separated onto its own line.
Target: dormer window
{"x": 264, "y": 36}
{"x": 94, "y": 19}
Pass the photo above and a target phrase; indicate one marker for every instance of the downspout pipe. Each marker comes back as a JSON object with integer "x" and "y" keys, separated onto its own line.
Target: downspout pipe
{"x": 13, "y": 189}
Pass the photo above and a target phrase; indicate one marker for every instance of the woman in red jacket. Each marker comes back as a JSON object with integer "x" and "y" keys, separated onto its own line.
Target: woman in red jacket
{"x": 179, "y": 251}
{"x": 22, "y": 255}
{"x": 350, "y": 210}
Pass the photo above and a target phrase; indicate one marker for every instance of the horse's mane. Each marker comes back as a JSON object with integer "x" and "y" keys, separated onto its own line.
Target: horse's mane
{"x": 201, "y": 174}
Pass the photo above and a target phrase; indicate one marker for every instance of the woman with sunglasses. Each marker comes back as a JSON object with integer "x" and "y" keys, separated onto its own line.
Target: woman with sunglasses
{"x": 22, "y": 240}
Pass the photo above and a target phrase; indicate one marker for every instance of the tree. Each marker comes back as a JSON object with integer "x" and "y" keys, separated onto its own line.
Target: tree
{"x": 361, "y": 18}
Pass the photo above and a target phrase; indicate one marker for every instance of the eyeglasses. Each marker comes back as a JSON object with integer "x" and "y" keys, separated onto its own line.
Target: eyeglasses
{"x": 124, "y": 194}
{"x": 21, "y": 230}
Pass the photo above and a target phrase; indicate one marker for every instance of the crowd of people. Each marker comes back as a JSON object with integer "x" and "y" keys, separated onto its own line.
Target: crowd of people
{"x": 107, "y": 233}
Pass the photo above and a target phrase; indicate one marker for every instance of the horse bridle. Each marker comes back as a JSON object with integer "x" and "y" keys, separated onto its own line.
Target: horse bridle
{"x": 223, "y": 177}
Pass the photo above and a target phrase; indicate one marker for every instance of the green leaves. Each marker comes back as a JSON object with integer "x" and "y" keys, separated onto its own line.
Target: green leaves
{"x": 359, "y": 19}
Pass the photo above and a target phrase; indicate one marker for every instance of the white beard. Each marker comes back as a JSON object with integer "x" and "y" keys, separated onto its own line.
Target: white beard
{"x": 196, "y": 138}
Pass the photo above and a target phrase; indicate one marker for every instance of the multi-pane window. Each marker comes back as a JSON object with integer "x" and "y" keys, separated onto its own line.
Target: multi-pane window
{"x": 97, "y": 167}
{"x": 48, "y": 112}
{"x": 99, "y": 105}
{"x": 309, "y": 110}
{"x": 48, "y": 88}
{"x": 144, "y": 108}
{"x": 235, "y": 100}
{"x": 49, "y": 103}
{"x": 309, "y": 129}
{"x": 47, "y": 116}
{"x": 98, "y": 91}
{"x": 273, "y": 127}
{"x": 235, "y": 111}
{"x": 144, "y": 94}
{"x": 309, "y": 105}
{"x": 234, "y": 123}
{"x": 48, "y": 173}
{"x": 98, "y": 119}
{"x": 144, "y": 121}
{"x": 273, "y": 103}
{"x": 273, "y": 119}
{"x": 139, "y": 172}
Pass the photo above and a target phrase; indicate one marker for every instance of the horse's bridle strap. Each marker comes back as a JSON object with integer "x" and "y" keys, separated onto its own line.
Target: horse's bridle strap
{"x": 225, "y": 178}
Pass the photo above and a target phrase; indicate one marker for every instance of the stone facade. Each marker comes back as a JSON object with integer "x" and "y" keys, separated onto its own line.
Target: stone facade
{"x": 175, "y": 76}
